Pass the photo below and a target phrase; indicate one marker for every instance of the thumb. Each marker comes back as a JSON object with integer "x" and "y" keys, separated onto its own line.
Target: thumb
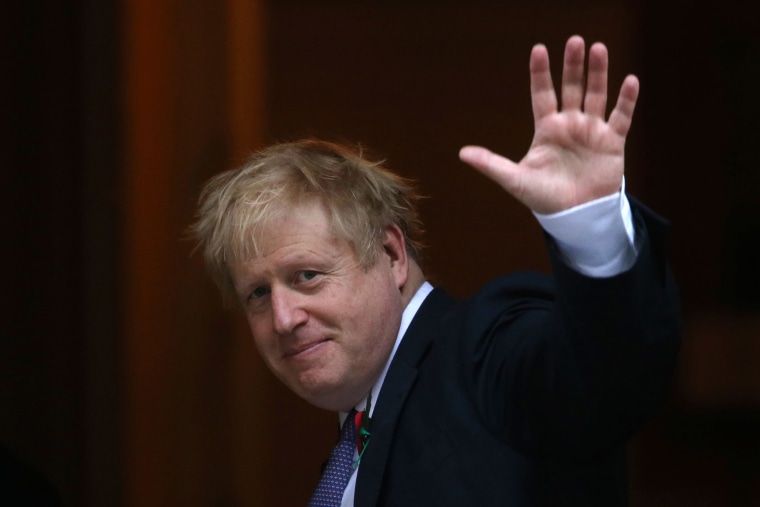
{"x": 495, "y": 167}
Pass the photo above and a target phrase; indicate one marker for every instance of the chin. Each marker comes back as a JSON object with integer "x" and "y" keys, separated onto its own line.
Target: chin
{"x": 329, "y": 390}
{"x": 329, "y": 397}
{"x": 316, "y": 391}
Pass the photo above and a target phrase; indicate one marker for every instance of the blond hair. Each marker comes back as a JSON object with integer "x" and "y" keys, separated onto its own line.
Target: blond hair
{"x": 361, "y": 198}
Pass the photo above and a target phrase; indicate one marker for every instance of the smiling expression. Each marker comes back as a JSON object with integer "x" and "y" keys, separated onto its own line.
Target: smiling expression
{"x": 324, "y": 324}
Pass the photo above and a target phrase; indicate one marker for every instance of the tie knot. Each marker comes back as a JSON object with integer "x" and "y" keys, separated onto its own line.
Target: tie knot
{"x": 348, "y": 431}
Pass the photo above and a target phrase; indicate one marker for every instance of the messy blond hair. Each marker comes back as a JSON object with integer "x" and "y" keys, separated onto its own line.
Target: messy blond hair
{"x": 360, "y": 197}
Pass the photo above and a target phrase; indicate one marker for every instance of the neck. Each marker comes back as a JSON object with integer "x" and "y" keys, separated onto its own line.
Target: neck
{"x": 415, "y": 279}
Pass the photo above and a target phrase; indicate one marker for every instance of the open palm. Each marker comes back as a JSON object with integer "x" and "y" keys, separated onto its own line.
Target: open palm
{"x": 576, "y": 155}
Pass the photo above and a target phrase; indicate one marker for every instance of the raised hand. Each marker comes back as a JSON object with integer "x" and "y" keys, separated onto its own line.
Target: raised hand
{"x": 576, "y": 155}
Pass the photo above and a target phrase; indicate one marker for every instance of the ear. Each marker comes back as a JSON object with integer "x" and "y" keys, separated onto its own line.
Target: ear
{"x": 394, "y": 246}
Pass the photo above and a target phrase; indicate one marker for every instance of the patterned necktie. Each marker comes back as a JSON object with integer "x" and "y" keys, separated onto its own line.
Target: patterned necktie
{"x": 329, "y": 492}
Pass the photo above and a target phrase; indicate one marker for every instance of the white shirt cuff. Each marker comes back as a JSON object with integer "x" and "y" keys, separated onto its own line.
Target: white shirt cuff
{"x": 595, "y": 238}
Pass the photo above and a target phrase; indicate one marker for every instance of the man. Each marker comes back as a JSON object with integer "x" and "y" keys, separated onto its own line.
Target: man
{"x": 524, "y": 394}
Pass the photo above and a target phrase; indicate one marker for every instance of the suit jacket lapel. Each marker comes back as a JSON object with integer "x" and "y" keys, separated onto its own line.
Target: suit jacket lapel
{"x": 398, "y": 382}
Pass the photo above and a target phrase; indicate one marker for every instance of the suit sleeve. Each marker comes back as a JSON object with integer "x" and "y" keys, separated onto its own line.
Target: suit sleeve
{"x": 575, "y": 364}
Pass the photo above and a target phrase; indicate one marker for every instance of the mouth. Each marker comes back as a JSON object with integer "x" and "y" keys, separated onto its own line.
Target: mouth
{"x": 303, "y": 349}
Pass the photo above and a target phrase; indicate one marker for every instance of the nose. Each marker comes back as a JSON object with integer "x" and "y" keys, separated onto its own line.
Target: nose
{"x": 287, "y": 310}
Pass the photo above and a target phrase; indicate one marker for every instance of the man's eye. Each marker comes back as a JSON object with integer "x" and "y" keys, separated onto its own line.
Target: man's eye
{"x": 305, "y": 276}
{"x": 259, "y": 292}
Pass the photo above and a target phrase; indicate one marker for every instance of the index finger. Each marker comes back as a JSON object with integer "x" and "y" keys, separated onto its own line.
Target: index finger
{"x": 543, "y": 96}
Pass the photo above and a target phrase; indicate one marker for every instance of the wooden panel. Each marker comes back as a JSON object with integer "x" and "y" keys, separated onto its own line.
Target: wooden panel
{"x": 148, "y": 144}
{"x": 187, "y": 365}
{"x": 42, "y": 343}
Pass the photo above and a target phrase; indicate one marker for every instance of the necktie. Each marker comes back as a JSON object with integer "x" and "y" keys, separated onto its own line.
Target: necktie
{"x": 329, "y": 492}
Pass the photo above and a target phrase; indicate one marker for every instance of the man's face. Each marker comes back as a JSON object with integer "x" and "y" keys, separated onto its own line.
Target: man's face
{"x": 324, "y": 324}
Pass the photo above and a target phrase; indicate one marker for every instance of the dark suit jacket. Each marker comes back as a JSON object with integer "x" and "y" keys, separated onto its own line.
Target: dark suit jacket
{"x": 525, "y": 394}
{"x": 22, "y": 485}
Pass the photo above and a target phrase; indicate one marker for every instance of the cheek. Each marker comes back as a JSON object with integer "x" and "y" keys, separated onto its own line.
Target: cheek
{"x": 262, "y": 337}
{"x": 376, "y": 316}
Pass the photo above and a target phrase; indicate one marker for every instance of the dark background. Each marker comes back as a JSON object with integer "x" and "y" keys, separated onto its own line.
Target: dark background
{"x": 123, "y": 381}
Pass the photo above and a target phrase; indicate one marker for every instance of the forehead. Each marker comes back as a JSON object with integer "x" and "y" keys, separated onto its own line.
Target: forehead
{"x": 303, "y": 227}
{"x": 299, "y": 239}
{"x": 304, "y": 220}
